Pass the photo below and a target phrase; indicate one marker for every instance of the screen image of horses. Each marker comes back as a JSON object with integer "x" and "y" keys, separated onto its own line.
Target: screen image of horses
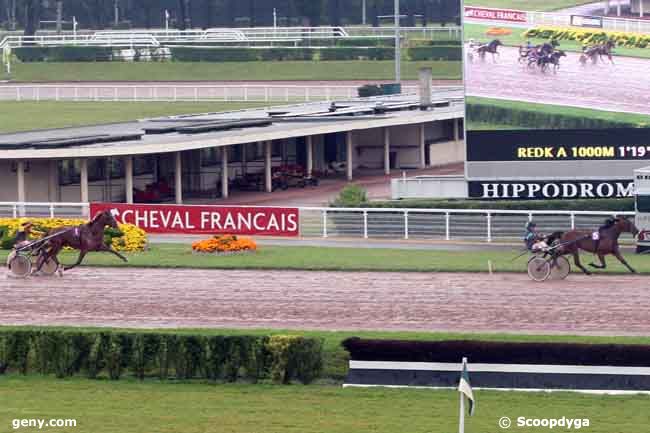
{"x": 523, "y": 75}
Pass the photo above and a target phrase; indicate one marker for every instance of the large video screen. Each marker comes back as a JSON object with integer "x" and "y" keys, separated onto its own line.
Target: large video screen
{"x": 558, "y": 105}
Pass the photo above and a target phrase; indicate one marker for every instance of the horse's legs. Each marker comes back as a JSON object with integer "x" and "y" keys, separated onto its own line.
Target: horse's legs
{"x": 602, "y": 265}
{"x": 111, "y": 250}
{"x": 82, "y": 254}
{"x": 576, "y": 260}
{"x": 620, "y": 258}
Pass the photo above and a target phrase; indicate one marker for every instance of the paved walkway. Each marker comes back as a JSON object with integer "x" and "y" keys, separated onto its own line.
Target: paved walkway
{"x": 148, "y": 298}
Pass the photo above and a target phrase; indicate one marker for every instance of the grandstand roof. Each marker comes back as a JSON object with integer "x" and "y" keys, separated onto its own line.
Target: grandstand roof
{"x": 186, "y": 132}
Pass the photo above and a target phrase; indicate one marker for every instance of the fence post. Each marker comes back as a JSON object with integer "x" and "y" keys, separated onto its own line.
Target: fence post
{"x": 76, "y": 93}
{"x": 266, "y": 94}
{"x": 306, "y": 94}
{"x": 115, "y": 96}
{"x": 56, "y": 94}
{"x": 406, "y": 224}
{"x": 365, "y": 224}
{"x": 286, "y": 94}
{"x": 51, "y": 210}
{"x": 489, "y": 227}
{"x": 225, "y": 94}
{"x": 17, "y": 93}
{"x": 447, "y": 227}
{"x": 246, "y": 94}
{"x": 196, "y": 94}
{"x": 573, "y": 221}
{"x": 38, "y": 93}
{"x": 14, "y": 210}
{"x": 324, "y": 223}
{"x": 530, "y": 217}
{"x": 175, "y": 94}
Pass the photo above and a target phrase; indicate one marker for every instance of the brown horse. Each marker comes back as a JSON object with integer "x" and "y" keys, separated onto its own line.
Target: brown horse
{"x": 577, "y": 240}
{"x": 85, "y": 238}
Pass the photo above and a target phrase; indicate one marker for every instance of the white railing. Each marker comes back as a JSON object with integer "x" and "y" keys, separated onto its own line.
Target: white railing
{"x": 170, "y": 92}
{"x": 424, "y": 224}
{"x": 609, "y": 23}
{"x": 155, "y": 38}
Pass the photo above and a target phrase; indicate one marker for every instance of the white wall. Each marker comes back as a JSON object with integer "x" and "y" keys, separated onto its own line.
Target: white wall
{"x": 36, "y": 182}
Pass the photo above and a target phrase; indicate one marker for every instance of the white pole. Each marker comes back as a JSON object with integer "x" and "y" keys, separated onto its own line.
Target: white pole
{"x": 166, "y": 21}
{"x": 275, "y": 18}
{"x": 398, "y": 51}
{"x": 461, "y": 419}
{"x": 363, "y": 12}
{"x": 74, "y": 29}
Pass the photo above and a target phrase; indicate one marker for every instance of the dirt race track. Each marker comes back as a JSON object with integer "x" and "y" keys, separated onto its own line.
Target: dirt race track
{"x": 617, "y": 305}
{"x": 620, "y": 87}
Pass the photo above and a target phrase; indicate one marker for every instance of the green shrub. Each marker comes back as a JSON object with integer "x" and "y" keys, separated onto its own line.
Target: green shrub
{"x": 189, "y": 54}
{"x": 366, "y": 42}
{"x": 282, "y": 54}
{"x": 532, "y": 118}
{"x": 327, "y": 54}
{"x": 188, "y": 356}
{"x": 605, "y": 204}
{"x": 64, "y": 54}
{"x": 351, "y": 196}
{"x": 441, "y": 52}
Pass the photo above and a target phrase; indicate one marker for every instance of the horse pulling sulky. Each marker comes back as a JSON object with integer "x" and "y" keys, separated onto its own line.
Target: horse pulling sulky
{"x": 40, "y": 256}
{"x": 549, "y": 261}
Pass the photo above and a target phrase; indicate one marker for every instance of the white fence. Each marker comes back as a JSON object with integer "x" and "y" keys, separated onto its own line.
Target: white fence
{"x": 423, "y": 224}
{"x": 613, "y": 24}
{"x": 275, "y": 36}
{"x": 171, "y": 92}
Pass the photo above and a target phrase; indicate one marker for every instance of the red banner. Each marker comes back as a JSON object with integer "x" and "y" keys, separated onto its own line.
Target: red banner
{"x": 496, "y": 14}
{"x": 234, "y": 220}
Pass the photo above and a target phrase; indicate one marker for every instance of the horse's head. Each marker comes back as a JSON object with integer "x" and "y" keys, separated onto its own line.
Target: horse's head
{"x": 497, "y": 42}
{"x": 626, "y": 225}
{"x": 105, "y": 218}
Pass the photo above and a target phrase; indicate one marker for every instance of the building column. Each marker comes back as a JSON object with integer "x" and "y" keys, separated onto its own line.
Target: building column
{"x": 128, "y": 178}
{"x": 84, "y": 179}
{"x": 178, "y": 177}
{"x": 53, "y": 181}
{"x": 387, "y": 151}
{"x": 20, "y": 177}
{"x": 456, "y": 129}
{"x": 641, "y": 11}
{"x": 310, "y": 155}
{"x": 224, "y": 172}
{"x": 268, "y": 179}
{"x": 108, "y": 193}
{"x": 618, "y": 8}
{"x": 348, "y": 142}
{"x": 423, "y": 158}
{"x": 607, "y": 5}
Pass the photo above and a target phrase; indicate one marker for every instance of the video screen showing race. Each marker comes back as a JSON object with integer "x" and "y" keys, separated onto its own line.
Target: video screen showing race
{"x": 555, "y": 70}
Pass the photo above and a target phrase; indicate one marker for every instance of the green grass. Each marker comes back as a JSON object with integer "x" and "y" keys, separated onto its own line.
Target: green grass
{"x": 558, "y": 110}
{"x": 332, "y": 259}
{"x": 229, "y": 71}
{"x": 153, "y": 407}
{"x": 24, "y": 116}
{"x": 528, "y": 5}
{"x": 477, "y": 32}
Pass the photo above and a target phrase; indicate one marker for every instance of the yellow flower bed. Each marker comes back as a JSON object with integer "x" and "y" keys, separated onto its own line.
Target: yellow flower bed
{"x": 224, "y": 244}
{"x": 590, "y": 36}
{"x": 134, "y": 239}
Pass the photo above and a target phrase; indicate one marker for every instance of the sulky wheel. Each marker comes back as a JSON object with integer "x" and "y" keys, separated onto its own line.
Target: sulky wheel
{"x": 539, "y": 268}
{"x": 560, "y": 268}
{"x": 49, "y": 267}
{"x": 20, "y": 266}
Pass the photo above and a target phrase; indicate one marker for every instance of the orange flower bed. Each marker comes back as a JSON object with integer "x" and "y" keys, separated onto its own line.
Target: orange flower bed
{"x": 498, "y": 31}
{"x": 224, "y": 244}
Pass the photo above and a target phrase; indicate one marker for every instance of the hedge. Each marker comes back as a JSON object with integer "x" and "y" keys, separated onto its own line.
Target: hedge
{"x": 439, "y": 52}
{"x": 280, "y": 54}
{"x": 63, "y": 54}
{"x": 498, "y": 352}
{"x": 376, "y": 53}
{"x": 114, "y": 354}
{"x": 128, "y": 238}
{"x": 590, "y": 36}
{"x": 605, "y": 204}
{"x": 188, "y": 54}
{"x": 533, "y": 118}
{"x": 366, "y": 42}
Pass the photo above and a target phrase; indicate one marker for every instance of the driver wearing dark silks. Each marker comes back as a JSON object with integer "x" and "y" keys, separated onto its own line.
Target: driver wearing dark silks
{"x": 533, "y": 239}
{"x": 599, "y": 234}
{"x": 22, "y": 238}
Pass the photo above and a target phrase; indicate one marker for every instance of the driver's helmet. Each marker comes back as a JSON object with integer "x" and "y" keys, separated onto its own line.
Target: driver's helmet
{"x": 531, "y": 226}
